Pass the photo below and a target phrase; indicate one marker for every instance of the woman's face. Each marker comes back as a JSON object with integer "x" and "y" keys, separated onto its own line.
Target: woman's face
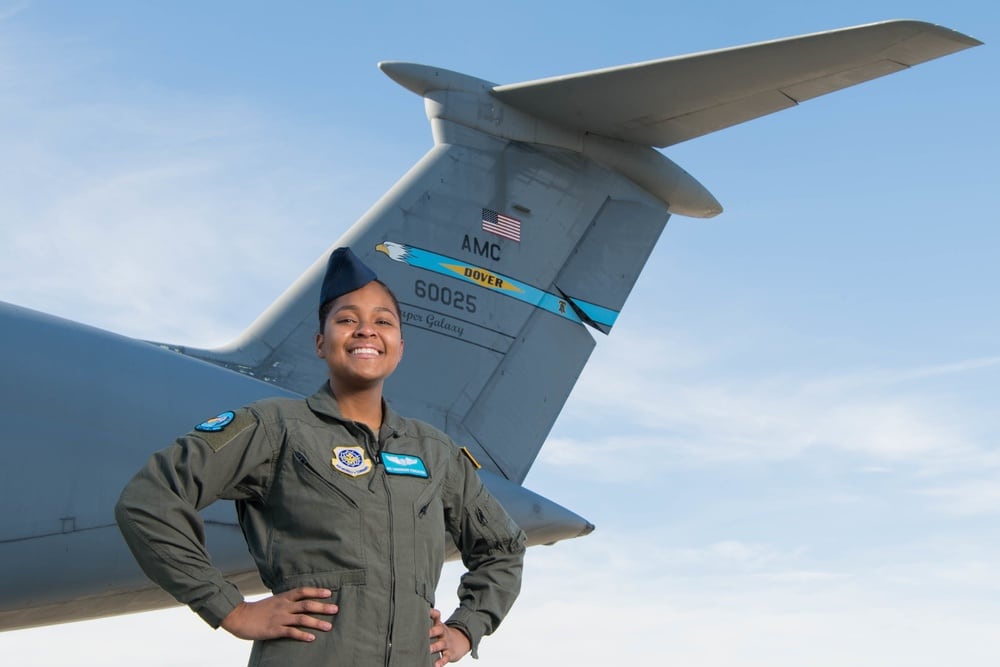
{"x": 361, "y": 340}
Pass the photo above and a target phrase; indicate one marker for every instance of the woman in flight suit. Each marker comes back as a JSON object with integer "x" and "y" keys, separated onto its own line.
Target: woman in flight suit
{"x": 344, "y": 504}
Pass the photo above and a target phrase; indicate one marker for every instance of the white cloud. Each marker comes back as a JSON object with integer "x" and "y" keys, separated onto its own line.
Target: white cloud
{"x": 968, "y": 496}
{"x": 613, "y": 598}
{"x": 637, "y": 395}
{"x": 11, "y": 9}
{"x": 152, "y": 213}
{"x": 616, "y": 601}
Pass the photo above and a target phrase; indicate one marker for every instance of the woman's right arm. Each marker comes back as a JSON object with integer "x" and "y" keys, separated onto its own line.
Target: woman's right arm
{"x": 158, "y": 509}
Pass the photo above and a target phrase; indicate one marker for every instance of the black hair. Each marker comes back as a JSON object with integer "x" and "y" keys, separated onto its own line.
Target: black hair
{"x": 324, "y": 309}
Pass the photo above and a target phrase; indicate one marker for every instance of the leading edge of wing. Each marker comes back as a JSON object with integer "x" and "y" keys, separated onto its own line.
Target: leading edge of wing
{"x": 664, "y": 102}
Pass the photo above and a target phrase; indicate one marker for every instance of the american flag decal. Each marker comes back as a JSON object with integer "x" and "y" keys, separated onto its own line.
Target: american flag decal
{"x": 501, "y": 225}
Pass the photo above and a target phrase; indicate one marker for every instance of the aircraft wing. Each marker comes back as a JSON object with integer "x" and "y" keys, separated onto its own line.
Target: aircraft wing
{"x": 665, "y": 102}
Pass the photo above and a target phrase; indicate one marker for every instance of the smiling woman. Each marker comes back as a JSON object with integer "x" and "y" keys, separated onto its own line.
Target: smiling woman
{"x": 150, "y": 151}
{"x": 344, "y": 504}
{"x": 362, "y": 344}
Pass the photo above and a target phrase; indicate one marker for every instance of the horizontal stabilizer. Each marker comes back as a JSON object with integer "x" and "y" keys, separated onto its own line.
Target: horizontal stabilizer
{"x": 665, "y": 102}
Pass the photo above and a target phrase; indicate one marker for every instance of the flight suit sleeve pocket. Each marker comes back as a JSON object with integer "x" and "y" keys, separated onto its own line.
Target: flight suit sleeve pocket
{"x": 494, "y": 526}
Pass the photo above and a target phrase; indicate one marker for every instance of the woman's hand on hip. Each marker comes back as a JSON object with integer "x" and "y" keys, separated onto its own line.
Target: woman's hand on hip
{"x": 450, "y": 642}
{"x": 282, "y": 615}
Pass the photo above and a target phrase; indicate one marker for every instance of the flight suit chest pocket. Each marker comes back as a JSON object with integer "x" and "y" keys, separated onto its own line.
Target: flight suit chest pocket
{"x": 428, "y": 544}
{"x": 315, "y": 522}
{"x": 312, "y": 477}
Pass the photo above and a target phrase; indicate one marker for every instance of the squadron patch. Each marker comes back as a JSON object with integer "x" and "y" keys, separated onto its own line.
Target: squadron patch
{"x": 404, "y": 464}
{"x": 216, "y": 423}
{"x": 351, "y": 461}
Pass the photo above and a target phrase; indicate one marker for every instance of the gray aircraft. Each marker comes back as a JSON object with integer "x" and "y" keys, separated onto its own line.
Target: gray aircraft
{"x": 521, "y": 230}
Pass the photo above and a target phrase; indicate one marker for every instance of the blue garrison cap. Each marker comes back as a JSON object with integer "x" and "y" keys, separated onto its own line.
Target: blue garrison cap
{"x": 344, "y": 273}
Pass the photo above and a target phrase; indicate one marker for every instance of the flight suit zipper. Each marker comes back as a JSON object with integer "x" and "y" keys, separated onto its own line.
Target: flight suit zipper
{"x": 392, "y": 564}
{"x": 371, "y": 445}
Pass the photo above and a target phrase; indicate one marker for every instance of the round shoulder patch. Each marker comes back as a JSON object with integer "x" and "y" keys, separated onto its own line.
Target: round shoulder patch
{"x": 216, "y": 423}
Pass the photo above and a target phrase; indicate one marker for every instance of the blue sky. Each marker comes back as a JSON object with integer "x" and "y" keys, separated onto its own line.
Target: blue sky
{"x": 789, "y": 443}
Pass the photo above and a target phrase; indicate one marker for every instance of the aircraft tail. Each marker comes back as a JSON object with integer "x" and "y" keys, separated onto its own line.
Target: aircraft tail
{"x": 527, "y": 224}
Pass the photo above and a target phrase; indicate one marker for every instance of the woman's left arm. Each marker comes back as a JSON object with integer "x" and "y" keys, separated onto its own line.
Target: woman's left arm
{"x": 492, "y": 548}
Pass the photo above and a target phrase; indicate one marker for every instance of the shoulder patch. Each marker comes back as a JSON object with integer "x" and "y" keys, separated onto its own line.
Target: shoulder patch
{"x": 222, "y": 429}
{"x": 216, "y": 423}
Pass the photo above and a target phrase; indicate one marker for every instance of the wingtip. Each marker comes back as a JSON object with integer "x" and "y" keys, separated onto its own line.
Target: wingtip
{"x": 967, "y": 41}
{"x": 409, "y": 75}
{"x": 423, "y": 79}
{"x": 922, "y": 41}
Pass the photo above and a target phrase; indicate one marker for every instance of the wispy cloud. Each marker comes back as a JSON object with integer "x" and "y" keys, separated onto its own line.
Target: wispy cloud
{"x": 13, "y": 8}
{"x": 151, "y": 212}
{"x": 733, "y": 602}
{"x": 890, "y": 377}
{"x": 637, "y": 394}
{"x": 975, "y": 496}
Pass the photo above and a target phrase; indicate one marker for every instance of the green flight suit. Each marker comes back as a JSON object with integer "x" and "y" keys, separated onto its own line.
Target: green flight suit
{"x": 377, "y": 540}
